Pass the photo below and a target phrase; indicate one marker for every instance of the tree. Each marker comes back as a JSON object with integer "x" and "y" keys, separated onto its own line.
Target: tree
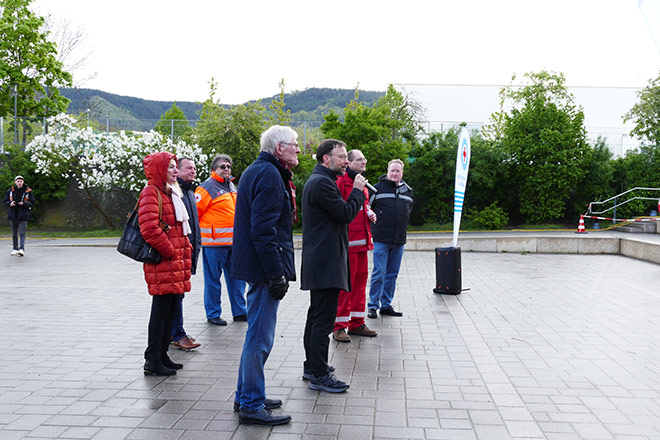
{"x": 173, "y": 123}
{"x": 71, "y": 49}
{"x": 646, "y": 114}
{"x": 28, "y": 64}
{"x": 235, "y": 131}
{"x": 99, "y": 160}
{"x": 545, "y": 139}
{"x": 277, "y": 106}
{"x": 385, "y": 132}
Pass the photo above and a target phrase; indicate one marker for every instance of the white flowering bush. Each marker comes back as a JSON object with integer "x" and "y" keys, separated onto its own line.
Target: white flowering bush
{"x": 102, "y": 160}
{"x": 99, "y": 160}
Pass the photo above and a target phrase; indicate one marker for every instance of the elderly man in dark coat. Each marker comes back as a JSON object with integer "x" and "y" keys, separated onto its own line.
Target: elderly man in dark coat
{"x": 262, "y": 255}
{"x": 325, "y": 268}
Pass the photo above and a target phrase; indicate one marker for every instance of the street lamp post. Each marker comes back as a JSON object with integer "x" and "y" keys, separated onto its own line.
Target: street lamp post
{"x": 14, "y": 93}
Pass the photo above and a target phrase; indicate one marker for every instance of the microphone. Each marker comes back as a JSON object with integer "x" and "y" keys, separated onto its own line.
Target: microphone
{"x": 351, "y": 173}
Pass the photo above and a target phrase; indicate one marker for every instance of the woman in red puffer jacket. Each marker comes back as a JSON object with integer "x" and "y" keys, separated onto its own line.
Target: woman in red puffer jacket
{"x": 168, "y": 235}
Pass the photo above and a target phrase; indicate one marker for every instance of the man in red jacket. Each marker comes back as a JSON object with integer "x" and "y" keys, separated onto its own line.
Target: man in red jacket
{"x": 351, "y": 305}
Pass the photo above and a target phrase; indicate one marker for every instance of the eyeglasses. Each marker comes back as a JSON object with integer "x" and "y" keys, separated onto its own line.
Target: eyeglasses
{"x": 295, "y": 144}
{"x": 361, "y": 160}
{"x": 224, "y": 166}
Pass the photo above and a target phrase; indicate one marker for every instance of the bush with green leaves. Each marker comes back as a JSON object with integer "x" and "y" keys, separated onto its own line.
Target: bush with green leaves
{"x": 492, "y": 217}
{"x": 545, "y": 139}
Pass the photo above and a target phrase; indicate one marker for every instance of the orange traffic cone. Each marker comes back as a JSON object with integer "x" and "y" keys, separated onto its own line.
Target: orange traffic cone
{"x": 581, "y": 228}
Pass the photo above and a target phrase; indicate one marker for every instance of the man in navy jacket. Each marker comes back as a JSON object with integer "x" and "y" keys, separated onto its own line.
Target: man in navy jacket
{"x": 262, "y": 255}
{"x": 325, "y": 268}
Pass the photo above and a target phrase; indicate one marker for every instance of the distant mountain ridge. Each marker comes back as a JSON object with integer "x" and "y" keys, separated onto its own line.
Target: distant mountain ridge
{"x": 305, "y": 105}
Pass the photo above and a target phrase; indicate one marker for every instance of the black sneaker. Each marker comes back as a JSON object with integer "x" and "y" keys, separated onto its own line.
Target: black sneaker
{"x": 307, "y": 375}
{"x": 328, "y": 383}
{"x": 372, "y": 314}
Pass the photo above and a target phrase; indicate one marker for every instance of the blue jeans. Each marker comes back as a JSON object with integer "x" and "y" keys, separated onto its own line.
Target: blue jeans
{"x": 177, "y": 322}
{"x": 387, "y": 262}
{"x": 216, "y": 261}
{"x": 262, "y": 318}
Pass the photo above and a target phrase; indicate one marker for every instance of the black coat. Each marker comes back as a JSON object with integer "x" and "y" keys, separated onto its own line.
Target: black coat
{"x": 194, "y": 237}
{"x": 325, "y": 231}
{"x": 392, "y": 204}
{"x": 17, "y": 212}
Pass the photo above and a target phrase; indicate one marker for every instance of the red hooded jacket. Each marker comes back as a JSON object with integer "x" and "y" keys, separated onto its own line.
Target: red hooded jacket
{"x": 172, "y": 274}
{"x": 359, "y": 230}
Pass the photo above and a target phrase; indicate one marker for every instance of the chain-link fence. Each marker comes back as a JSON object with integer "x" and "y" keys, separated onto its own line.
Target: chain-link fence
{"x": 23, "y": 132}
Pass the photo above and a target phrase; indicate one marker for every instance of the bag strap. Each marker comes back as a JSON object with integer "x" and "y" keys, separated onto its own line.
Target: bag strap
{"x": 160, "y": 204}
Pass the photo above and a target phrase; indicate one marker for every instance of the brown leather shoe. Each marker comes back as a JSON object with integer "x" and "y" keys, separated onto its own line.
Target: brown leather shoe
{"x": 341, "y": 336}
{"x": 363, "y": 330}
{"x": 186, "y": 343}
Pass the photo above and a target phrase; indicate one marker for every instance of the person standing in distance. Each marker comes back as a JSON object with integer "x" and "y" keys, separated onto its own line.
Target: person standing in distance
{"x": 185, "y": 178}
{"x": 325, "y": 270}
{"x": 392, "y": 203}
{"x": 216, "y": 202}
{"x": 351, "y": 306}
{"x": 263, "y": 256}
{"x": 19, "y": 199}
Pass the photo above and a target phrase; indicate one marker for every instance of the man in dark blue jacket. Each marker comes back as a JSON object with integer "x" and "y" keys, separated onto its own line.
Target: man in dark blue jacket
{"x": 392, "y": 204}
{"x": 262, "y": 255}
{"x": 325, "y": 268}
{"x": 185, "y": 179}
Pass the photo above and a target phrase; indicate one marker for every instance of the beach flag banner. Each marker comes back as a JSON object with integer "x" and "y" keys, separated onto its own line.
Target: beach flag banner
{"x": 462, "y": 167}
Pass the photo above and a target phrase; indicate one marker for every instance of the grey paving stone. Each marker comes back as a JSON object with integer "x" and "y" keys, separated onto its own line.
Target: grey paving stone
{"x": 541, "y": 346}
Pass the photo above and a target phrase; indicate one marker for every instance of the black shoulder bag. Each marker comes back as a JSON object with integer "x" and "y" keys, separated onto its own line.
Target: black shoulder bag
{"x": 132, "y": 244}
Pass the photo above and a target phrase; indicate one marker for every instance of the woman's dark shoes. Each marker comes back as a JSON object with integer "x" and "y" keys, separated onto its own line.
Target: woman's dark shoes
{"x": 156, "y": 368}
{"x": 261, "y": 417}
{"x": 167, "y": 362}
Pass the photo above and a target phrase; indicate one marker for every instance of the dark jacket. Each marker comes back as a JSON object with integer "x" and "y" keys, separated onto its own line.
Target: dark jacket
{"x": 17, "y": 212}
{"x": 263, "y": 236}
{"x": 194, "y": 237}
{"x": 172, "y": 274}
{"x": 325, "y": 232}
{"x": 392, "y": 205}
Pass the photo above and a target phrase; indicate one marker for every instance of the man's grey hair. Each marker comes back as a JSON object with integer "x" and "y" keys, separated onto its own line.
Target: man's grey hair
{"x": 276, "y": 134}
{"x": 220, "y": 158}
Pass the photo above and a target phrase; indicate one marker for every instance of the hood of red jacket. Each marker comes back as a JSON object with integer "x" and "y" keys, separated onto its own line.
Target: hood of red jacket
{"x": 155, "y": 167}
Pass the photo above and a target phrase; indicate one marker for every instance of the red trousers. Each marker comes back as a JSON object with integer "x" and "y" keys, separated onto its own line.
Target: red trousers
{"x": 350, "y": 308}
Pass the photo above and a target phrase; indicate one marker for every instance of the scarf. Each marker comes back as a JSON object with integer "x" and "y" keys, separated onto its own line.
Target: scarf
{"x": 179, "y": 208}
{"x": 291, "y": 189}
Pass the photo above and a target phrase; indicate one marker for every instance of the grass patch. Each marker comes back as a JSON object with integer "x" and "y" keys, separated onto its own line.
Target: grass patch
{"x": 41, "y": 232}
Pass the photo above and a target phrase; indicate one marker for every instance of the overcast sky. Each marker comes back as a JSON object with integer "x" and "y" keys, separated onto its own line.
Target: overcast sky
{"x": 169, "y": 50}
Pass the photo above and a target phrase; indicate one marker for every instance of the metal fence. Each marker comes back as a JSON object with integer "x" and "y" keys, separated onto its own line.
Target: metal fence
{"x": 26, "y": 129}
{"x": 617, "y": 139}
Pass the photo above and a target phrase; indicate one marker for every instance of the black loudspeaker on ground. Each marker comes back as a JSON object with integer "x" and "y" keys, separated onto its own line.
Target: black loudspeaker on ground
{"x": 448, "y": 270}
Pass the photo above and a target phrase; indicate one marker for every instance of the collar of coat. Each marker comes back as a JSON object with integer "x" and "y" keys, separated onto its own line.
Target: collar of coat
{"x": 221, "y": 179}
{"x": 320, "y": 169}
{"x": 285, "y": 172}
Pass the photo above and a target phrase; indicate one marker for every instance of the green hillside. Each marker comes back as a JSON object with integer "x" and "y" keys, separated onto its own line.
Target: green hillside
{"x": 141, "y": 114}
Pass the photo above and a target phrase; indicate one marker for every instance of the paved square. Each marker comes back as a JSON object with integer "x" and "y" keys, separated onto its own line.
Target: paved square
{"x": 541, "y": 346}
